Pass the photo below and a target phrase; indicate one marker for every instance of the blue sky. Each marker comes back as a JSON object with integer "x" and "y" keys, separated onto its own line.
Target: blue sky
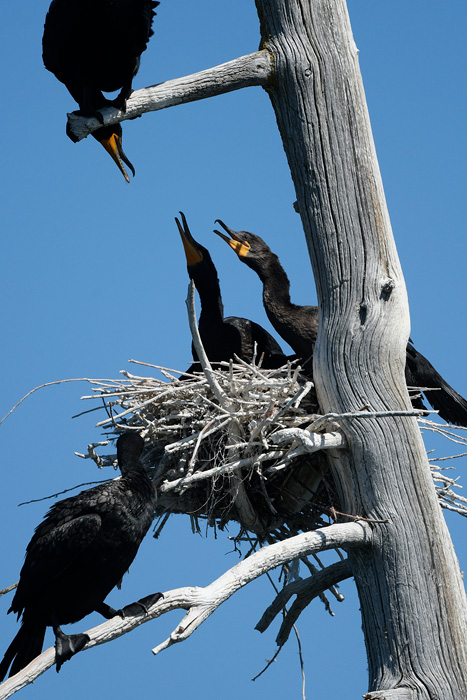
{"x": 93, "y": 273}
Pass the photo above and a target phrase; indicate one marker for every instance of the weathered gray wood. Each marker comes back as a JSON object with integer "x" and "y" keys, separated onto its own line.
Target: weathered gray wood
{"x": 245, "y": 71}
{"x": 412, "y": 597}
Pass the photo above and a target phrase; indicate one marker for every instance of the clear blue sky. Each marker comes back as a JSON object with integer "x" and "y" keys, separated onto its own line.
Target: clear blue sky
{"x": 93, "y": 273}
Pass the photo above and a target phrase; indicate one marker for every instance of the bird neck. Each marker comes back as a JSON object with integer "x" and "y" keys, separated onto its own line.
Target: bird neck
{"x": 297, "y": 325}
{"x": 137, "y": 479}
{"x": 276, "y": 290}
{"x": 134, "y": 470}
{"x": 208, "y": 288}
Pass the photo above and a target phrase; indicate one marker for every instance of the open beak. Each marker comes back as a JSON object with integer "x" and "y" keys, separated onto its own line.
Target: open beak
{"x": 111, "y": 139}
{"x": 193, "y": 255}
{"x": 233, "y": 239}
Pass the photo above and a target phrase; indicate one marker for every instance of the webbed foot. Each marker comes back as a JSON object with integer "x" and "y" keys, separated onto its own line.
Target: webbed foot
{"x": 90, "y": 113}
{"x": 67, "y": 645}
{"x": 140, "y": 605}
{"x": 83, "y": 113}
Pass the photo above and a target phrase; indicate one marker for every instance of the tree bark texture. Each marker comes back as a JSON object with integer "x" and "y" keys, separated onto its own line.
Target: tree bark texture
{"x": 411, "y": 593}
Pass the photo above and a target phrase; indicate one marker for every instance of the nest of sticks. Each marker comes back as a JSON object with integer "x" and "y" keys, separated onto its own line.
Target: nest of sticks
{"x": 221, "y": 446}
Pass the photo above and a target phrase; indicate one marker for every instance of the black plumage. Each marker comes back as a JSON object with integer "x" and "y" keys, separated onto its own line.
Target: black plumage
{"x": 224, "y": 337}
{"x": 79, "y": 552}
{"x": 298, "y": 326}
{"x": 94, "y": 46}
{"x": 419, "y": 372}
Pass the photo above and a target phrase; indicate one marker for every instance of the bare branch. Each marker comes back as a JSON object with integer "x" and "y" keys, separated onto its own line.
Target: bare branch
{"x": 246, "y": 71}
{"x": 200, "y": 351}
{"x": 216, "y": 471}
{"x": 267, "y": 558}
{"x": 41, "y": 386}
{"x": 305, "y": 590}
{"x": 309, "y": 442}
{"x": 60, "y": 493}
{"x": 201, "y": 602}
{"x": 322, "y": 421}
{"x": 9, "y": 588}
{"x": 246, "y": 513}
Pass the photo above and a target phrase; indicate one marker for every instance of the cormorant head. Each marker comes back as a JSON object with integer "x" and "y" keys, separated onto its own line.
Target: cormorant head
{"x": 111, "y": 138}
{"x": 194, "y": 252}
{"x": 129, "y": 449}
{"x": 251, "y": 249}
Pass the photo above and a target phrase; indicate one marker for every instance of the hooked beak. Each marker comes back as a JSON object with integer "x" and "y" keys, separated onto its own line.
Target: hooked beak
{"x": 111, "y": 139}
{"x": 233, "y": 239}
{"x": 193, "y": 255}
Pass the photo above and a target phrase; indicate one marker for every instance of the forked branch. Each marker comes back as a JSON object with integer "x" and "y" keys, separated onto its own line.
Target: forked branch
{"x": 210, "y": 598}
{"x": 305, "y": 590}
{"x": 201, "y": 602}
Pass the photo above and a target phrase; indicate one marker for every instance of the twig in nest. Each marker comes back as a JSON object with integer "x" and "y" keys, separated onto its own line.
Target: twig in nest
{"x": 322, "y": 421}
{"x": 60, "y": 493}
{"x": 202, "y": 357}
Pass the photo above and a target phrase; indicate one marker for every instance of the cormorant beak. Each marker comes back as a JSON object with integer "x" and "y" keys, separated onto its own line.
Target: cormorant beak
{"x": 193, "y": 255}
{"x": 111, "y": 138}
{"x": 233, "y": 239}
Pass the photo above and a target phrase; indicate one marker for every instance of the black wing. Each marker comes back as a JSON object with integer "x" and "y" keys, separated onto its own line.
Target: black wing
{"x": 420, "y": 372}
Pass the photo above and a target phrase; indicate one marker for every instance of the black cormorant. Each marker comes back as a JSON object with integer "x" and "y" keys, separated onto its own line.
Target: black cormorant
{"x": 94, "y": 46}
{"x": 79, "y": 552}
{"x": 298, "y": 326}
{"x": 224, "y": 337}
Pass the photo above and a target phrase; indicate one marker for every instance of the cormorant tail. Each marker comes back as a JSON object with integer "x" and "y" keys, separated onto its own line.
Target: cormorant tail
{"x": 452, "y": 407}
{"x": 23, "y": 649}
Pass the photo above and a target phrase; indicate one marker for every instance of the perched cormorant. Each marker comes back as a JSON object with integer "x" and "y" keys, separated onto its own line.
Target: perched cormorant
{"x": 94, "y": 46}
{"x": 79, "y": 552}
{"x": 298, "y": 326}
{"x": 224, "y": 337}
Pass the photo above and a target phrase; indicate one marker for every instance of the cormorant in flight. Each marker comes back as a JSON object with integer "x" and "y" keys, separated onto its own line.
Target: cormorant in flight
{"x": 298, "y": 326}
{"x": 79, "y": 552}
{"x": 94, "y": 46}
{"x": 223, "y": 337}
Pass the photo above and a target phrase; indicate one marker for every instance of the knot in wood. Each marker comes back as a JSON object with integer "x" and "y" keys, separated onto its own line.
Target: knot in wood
{"x": 387, "y": 288}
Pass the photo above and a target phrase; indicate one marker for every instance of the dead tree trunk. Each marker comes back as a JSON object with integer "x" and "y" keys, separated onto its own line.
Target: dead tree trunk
{"x": 412, "y": 598}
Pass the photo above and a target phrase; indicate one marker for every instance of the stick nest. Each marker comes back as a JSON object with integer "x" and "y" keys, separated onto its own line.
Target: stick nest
{"x": 212, "y": 454}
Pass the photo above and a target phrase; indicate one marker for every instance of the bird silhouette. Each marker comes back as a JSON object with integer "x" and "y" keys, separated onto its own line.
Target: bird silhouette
{"x": 78, "y": 553}
{"x": 94, "y": 46}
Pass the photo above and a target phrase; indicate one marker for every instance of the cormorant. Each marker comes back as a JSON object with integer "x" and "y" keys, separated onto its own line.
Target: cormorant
{"x": 223, "y": 337}
{"x": 298, "y": 326}
{"x": 94, "y": 46}
{"x": 79, "y": 552}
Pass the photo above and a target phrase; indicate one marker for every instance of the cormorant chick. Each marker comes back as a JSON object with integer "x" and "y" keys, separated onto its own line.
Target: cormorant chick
{"x": 224, "y": 337}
